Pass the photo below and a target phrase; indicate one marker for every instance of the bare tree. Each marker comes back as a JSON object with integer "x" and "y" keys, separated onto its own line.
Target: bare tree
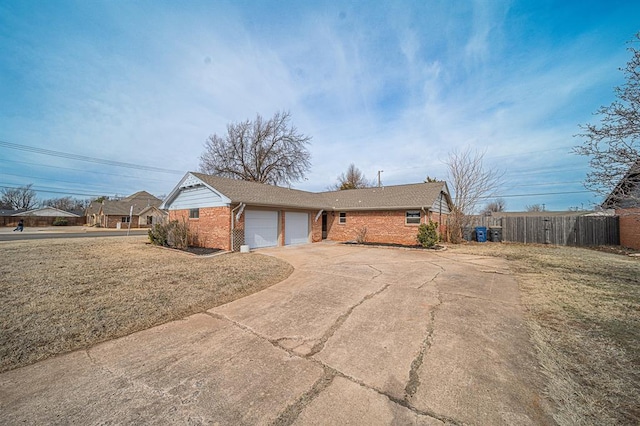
{"x": 613, "y": 145}
{"x": 495, "y": 206}
{"x": 66, "y": 203}
{"x": 429, "y": 179}
{"x": 21, "y": 198}
{"x": 267, "y": 151}
{"x": 534, "y": 208}
{"x": 471, "y": 183}
{"x": 353, "y": 178}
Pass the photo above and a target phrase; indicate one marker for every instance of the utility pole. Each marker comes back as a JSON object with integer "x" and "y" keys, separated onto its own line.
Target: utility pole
{"x": 379, "y": 180}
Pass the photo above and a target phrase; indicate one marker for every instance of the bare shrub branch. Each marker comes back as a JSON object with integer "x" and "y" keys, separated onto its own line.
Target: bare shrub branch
{"x": 471, "y": 183}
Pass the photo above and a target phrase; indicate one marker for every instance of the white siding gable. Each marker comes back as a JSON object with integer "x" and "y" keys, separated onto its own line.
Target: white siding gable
{"x": 192, "y": 193}
{"x": 197, "y": 197}
{"x": 441, "y": 203}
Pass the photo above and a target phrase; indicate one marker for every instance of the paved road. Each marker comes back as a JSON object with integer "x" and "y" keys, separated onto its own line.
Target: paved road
{"x": 7, "y": 234}
{"x": 356, "y": 335}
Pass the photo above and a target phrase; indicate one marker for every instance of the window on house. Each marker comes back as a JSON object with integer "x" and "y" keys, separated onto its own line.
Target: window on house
{"x": 412, "y": 217}
{"x": 343, "y": 217}
{"x": 149, "y": 220}
{"x": 194, "y": 213}
{"x": 125, "y": 219}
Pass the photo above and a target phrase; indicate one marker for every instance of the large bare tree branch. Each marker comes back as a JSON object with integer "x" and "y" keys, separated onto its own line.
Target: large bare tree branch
{"x": 22, "y": 198}
{"x": 271, "y": 151}
{"x": 613, "y": 144}
{"x": 353, "y": 178}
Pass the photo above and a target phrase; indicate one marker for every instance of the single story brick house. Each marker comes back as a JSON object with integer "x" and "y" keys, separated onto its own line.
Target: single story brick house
{"x": 47, "y": 211}
{"x": 227, "y": 213}
{"x": 625, "y": 199}
{"x": 44, "y": 216}
{"x": 141, "y": 208}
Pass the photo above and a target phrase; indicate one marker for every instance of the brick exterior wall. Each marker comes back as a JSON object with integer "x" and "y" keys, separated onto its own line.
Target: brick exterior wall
{"x": 212, "y": 229}
{"x": 629, "y": 227}
{"x": 381, "y": 226}
{"x": 112, "y": 222}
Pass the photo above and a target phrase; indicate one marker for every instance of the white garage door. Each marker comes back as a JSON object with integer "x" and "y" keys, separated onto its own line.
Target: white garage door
{"x": 260, "y": 228}
{"x": 296, "y": 228}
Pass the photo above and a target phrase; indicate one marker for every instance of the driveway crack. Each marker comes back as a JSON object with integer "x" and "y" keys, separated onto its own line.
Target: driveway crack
{"x": 291, "y": 413}
{"x": 414, "y": 378}
{"x": 340, "y": 320}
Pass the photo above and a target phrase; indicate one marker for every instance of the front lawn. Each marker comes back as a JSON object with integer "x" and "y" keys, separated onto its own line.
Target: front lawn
{"x": 58, "y": 295}
{"x": 583, "y": 313}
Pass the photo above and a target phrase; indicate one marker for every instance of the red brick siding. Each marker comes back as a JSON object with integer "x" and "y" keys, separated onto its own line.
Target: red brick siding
{"x": 211, "y": 229}
{"x": 382, "y": 226}
{"x": 629, "y": 227}
{"x": 112, "y": 222}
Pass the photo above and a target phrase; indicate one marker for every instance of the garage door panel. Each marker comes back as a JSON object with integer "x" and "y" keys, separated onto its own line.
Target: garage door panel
{"x": 261, "y": 228}
{"x": 296, "y": 228}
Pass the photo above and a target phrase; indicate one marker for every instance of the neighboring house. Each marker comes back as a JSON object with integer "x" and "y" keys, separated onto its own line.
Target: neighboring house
{"x": 47, "y": 212}
{"x": 141, "y": 208}
{"x": 4, "y": 212}
{"x": 625, "y": 199}
{"x": 7, "y": 217}
{"x": 45, "y": 216}
{"x": 226, "y": 213}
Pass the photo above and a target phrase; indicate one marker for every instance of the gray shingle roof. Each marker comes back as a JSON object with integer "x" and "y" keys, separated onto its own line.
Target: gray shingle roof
{"x": 260, "y": 194}
{"x": 410, "y": 196}
{"x": 140, "y": 201}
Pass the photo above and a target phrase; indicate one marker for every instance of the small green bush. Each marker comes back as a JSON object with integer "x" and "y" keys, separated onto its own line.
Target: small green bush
{"x": 428, "y": 234}
{"x": 60, "y": 221}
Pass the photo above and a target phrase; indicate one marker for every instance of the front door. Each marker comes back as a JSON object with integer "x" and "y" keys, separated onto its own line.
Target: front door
{"x": 324, "y": 225}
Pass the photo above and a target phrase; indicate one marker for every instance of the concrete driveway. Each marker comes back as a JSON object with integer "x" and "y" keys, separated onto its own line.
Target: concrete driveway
{"x": 356, "y": 335}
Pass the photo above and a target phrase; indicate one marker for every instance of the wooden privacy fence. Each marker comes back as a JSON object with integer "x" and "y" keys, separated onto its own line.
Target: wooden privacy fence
{"x": 39, "y": 220}
{"x": 559, "y": 230}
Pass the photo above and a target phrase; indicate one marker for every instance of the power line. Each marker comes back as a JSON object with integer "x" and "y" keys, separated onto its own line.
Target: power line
{"x": 82, "y": 170}
{"x": 535, "y": 195}
{"x": 545, "y": 184}
{"x": 47, "y": 179}
{"x": 52, "y": 191}
{"x": 86, "y": 158}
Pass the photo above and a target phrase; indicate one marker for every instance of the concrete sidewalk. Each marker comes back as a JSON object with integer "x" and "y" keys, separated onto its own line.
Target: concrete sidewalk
{"x": 356, "y": 335}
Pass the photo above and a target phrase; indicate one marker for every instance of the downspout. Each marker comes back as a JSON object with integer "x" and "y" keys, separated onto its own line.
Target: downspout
{"x": 240, "y": 206}
{"x": 440, "y": 215}
{"x": 318, "y": 215}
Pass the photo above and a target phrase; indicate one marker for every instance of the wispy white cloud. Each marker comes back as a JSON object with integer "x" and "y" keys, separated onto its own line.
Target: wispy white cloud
{"x": 391, "y": 87}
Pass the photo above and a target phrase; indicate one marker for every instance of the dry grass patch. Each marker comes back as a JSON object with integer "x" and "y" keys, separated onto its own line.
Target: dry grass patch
{"x": 584, "y": 317}
{"x": 58, "y": 295}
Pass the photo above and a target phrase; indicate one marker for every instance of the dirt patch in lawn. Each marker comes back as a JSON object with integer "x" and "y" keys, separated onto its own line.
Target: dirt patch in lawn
{"x": 583, "y": 312}
{"x": 58, "y": 295}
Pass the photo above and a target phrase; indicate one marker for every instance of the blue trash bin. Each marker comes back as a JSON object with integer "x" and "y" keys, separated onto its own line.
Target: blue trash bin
{"x": 481, "y": 234}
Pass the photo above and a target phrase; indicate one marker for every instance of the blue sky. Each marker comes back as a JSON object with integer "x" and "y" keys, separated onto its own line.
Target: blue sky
{"x": 392, "y": 86}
